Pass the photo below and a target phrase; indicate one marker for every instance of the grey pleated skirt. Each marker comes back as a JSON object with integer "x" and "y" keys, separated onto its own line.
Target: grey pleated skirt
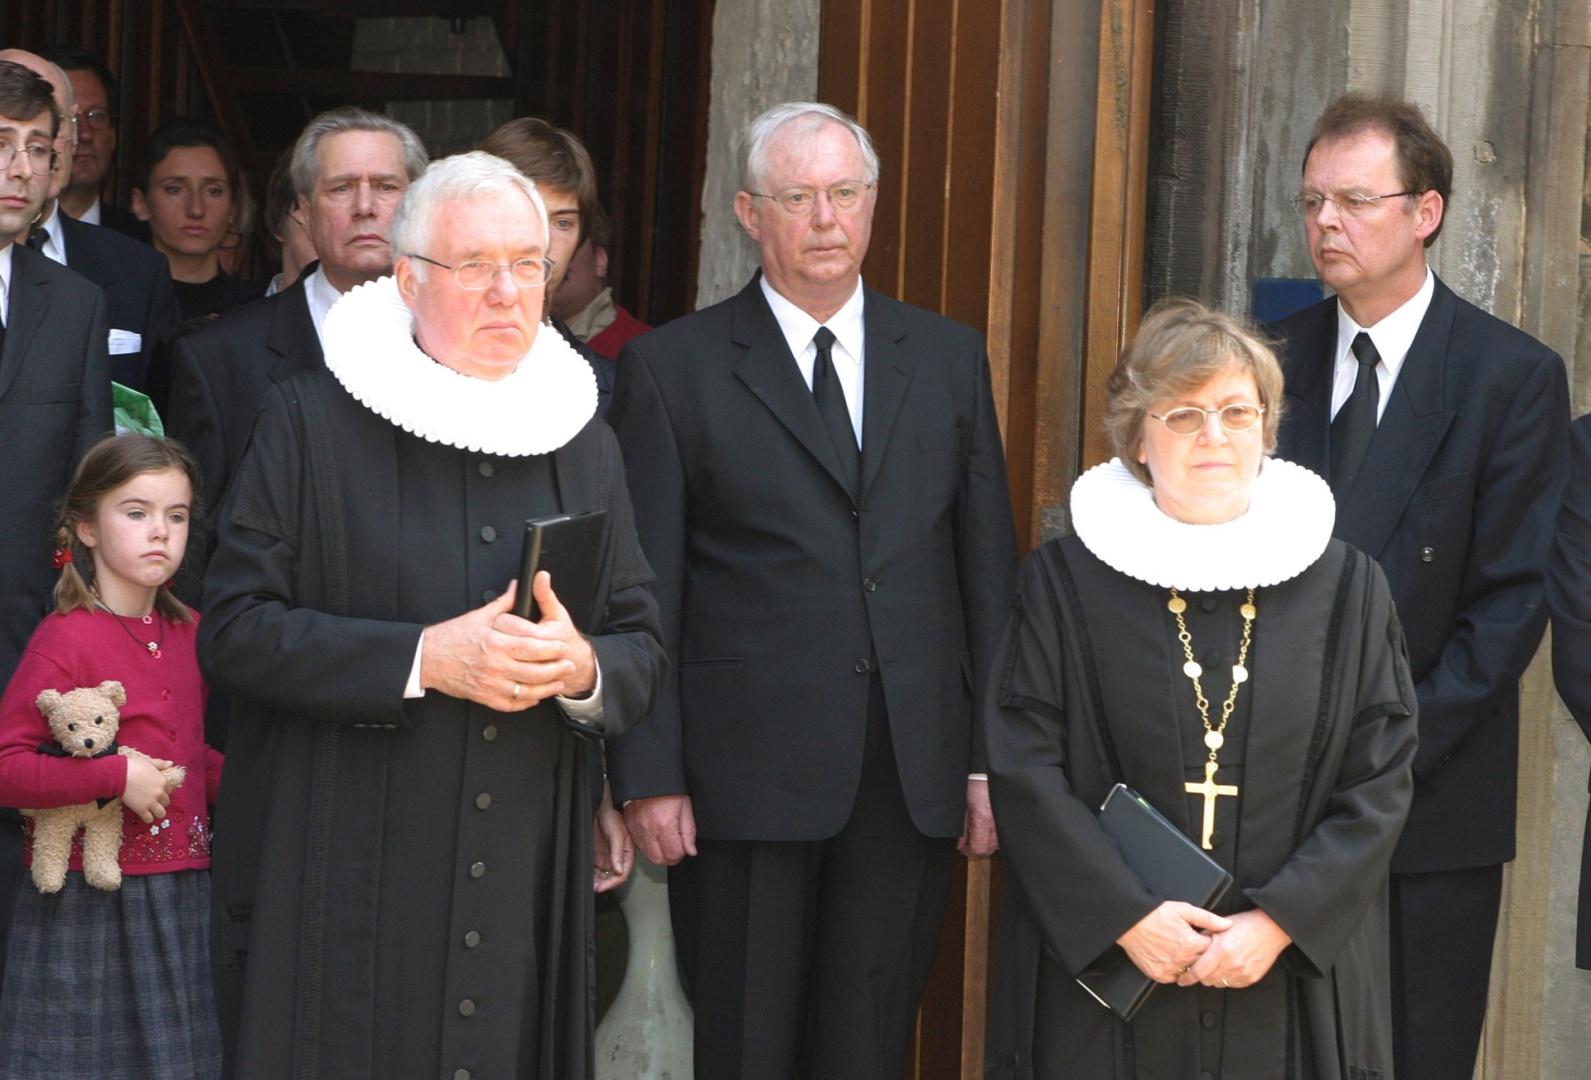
{"x": 111, "y": 985}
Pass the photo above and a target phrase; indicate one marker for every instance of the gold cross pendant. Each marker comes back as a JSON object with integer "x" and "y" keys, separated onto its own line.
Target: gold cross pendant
{"x": 1209, "y": 789}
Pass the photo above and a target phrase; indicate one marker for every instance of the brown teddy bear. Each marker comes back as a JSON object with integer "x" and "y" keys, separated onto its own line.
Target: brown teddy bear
{"x": 84, "y": 722}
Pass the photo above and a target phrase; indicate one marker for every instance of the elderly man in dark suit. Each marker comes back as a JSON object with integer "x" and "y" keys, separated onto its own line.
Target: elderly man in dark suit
{"x": 1442, "y": 431}
{"x": 54, "y": 392}
{"x": 141, "y": 301}
{"x": 820, "y": 487}
{"x": 350, "y": 168}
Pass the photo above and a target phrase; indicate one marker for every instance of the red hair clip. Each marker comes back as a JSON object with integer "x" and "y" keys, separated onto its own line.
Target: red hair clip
{"x": 61, "y": 558}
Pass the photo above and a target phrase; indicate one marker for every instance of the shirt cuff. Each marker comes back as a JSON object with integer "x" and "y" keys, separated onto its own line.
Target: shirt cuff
{"x": 413, "y": 689}
{"x": 586, "y": 710}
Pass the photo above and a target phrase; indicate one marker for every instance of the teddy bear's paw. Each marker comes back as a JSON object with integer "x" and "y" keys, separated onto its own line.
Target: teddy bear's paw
{"x": 174, "y": 777}
{"x": 49, "y": 879}
{"x": 108, "y": 878}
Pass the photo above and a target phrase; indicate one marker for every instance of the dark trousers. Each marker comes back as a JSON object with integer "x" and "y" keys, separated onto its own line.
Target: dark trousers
{"x": 13, "y": 878}
{"x": 808, "y": 959}
{"x": 1443, "y": 924}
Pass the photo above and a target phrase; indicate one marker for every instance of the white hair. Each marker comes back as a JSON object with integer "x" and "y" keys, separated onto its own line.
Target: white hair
{"x": 459, "y": 178}
{"x": 802, "y": 118}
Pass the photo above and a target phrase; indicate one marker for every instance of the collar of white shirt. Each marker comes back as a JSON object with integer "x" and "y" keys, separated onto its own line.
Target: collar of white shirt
{"x": 321, "y": 295}
{"x": 5, "y": 284}
{"x": 55, "y": 243}
{"x": 91, "y": 216}
{"x": 1392, "y": 337}
{"x": 849, "y": 349}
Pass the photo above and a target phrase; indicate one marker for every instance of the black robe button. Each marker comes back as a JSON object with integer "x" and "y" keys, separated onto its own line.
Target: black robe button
{"x": 466, "y": 1007}
{"x": 1209, "y": 1019}
{"x": 1427, "y": 554}
{"x": 485, "y": 468}
{"x": 477, "y": 870}
{"x": 1207, "y": 604}
{"x": 1207, "y": 1076}
{"x": 471, "y": 939}
{"x": 488, "y": 534}
{"x": 863, "y": 667}
{"x": 488, "y": 596}
{"x": 489, "y": 732}
{"x": 482, "y": 801}
{"x": 1212, "y": 659}
{"x": 461, "y": 1074}
{"x": 869, "y": 584}
{"x": 1216, "y": 839}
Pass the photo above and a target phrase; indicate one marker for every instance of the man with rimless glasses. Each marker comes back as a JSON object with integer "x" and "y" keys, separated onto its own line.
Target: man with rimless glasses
{"x": 820, "y": 487}
{"x": 1443, "y": 432}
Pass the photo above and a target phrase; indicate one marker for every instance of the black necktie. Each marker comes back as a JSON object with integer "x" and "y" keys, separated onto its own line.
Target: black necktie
{"x": 830, "y": 397}
{"x": 36, "y": 237}
{"x": 1355, "y": 424}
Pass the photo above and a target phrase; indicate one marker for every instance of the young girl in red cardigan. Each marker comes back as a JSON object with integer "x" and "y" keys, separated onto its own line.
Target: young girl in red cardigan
{"x": 102, "y": 983}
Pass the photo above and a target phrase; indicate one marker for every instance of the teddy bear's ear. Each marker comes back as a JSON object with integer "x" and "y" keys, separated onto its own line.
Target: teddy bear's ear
{"x": 48, "y": 701}
{"x": 114, "y": 690}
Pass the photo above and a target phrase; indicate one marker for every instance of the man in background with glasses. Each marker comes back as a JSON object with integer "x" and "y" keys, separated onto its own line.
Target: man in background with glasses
{"x": 54, "y": 393}
{"x": 1443, "y": 433}
{"x": 820, "y": 486}
{"x": 95, "y": 90}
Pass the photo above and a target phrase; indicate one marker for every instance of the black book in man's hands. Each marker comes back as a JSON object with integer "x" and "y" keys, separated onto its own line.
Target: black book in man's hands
{"x": 569, "y": 547}
{"x": 1171, "y": 865}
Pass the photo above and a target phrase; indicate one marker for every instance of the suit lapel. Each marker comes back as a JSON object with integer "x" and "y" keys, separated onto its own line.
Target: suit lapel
{"x": 1311, "y": 346}
{"x": 770, "y": 372}
{"x": 886, "y": 374}
{"x": 27, "y": 307}
{"x": 292, "y": 335}
{"x": 1411, "y": 428}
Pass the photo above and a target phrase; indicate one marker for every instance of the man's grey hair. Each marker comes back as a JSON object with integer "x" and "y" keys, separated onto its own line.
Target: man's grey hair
{"x": 305, "y": 168}
{"x": 459, "y": 178}
{"x": 797, "y": 118}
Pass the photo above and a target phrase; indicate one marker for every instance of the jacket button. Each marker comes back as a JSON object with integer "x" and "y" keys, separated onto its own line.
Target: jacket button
{"x": 1207, "y": 604}
{"x": 1216, "y": 839}
{"x": 472, "y": 939}
{"x": 1208, "y": 1019}
{"x": 869, "y": 584}
{"x": 1212, "y": 659}
{"x": 488, "y": 596}
{"x": 1427, "y": 554}
{"x": 466, "y": 1007}
{"x": 855, "y": 516}
{"x": 482, "y": 801}
{"x": 485, "y": 468}
{"x": 863, "y": 667}
{"x": 489, "y": 732}
{"x": 461, "y": 1074}
{"x": 488, "y": 534}
{"x": 477, "y": 870}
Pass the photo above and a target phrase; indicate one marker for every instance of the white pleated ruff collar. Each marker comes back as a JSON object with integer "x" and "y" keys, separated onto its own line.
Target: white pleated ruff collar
{"x": 1286, "y": 528}
{"x": 540, "y": 406}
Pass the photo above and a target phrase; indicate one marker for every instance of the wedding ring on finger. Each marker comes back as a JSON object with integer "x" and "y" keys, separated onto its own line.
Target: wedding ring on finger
{"x": 1226, "y": 984}
{"x": 516, "y": 691}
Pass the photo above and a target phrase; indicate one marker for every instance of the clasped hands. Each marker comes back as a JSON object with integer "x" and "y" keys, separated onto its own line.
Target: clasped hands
{"x": 1184, "y": 944}
{"x": 495, "y": 658}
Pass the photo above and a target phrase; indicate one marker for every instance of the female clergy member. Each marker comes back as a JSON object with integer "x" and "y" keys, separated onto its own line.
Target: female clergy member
{"x": 402, "y": 869}
{"x": 1202, "y": 625}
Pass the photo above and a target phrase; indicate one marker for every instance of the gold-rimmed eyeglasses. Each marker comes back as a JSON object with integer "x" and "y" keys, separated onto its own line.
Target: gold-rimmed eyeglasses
{"x": 1190, "y": 420}
{"x": 478, "y": 274}
{"x": 1349, "y": 203}
{"x": 40, "y": 157}
{"x": 801, "y": 201}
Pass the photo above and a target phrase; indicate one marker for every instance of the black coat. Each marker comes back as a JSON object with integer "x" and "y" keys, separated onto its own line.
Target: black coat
{"x": 1455, "y": 500}
{"x": 1089, "y": 691}
{"x": 779, "y": 593}
{"x": 380, "y": 861}
{"x": 1569, "y": 599}
{"x": 139, "y": 294}
{"x": 54, "y": 402}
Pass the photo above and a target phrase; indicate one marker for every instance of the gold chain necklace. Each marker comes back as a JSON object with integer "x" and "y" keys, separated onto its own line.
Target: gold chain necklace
{"x": 1214, "y": 737}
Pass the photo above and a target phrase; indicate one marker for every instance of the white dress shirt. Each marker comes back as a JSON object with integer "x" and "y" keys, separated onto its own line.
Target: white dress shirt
{"x": 1392, "y": 337}
{"x": 5, "y": 284}
{"x": 321, "y": 295}
{"x": 91, "y": 215}
{"x": 55, "y": 243}
{"x": 849, "y": 344}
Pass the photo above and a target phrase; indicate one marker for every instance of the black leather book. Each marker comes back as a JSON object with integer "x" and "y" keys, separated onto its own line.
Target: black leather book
{"x": 569, "y": 547}
{"x": 1172, "y": 866}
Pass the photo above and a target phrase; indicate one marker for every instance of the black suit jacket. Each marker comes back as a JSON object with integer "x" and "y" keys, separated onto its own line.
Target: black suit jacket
{"x": 1455, "y": 499}
{"x": 138, "y": 291}
{"x": 221, "y": 371}
{"x": 124, "y": 222}
{"x": 1569, "y": 601}
{"x": 54, "y": 402}
{"x": 780, "y": 594}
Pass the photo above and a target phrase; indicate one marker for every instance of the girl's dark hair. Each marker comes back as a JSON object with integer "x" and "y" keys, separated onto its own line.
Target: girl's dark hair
{"x": 109, "y": 464}
{"x": 182, "y": 131}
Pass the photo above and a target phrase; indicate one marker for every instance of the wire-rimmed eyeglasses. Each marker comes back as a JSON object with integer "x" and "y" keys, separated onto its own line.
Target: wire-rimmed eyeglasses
{"x": 478, "y": 274}
{"x": 1350, "y": 203}
{"x": 40, "y": 158}
{"x": 1190, "y": 420}
{"x": 801, "y": 201}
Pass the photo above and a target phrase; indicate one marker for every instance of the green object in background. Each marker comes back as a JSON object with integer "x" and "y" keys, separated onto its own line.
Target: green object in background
{"x": 135, "y": 412}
